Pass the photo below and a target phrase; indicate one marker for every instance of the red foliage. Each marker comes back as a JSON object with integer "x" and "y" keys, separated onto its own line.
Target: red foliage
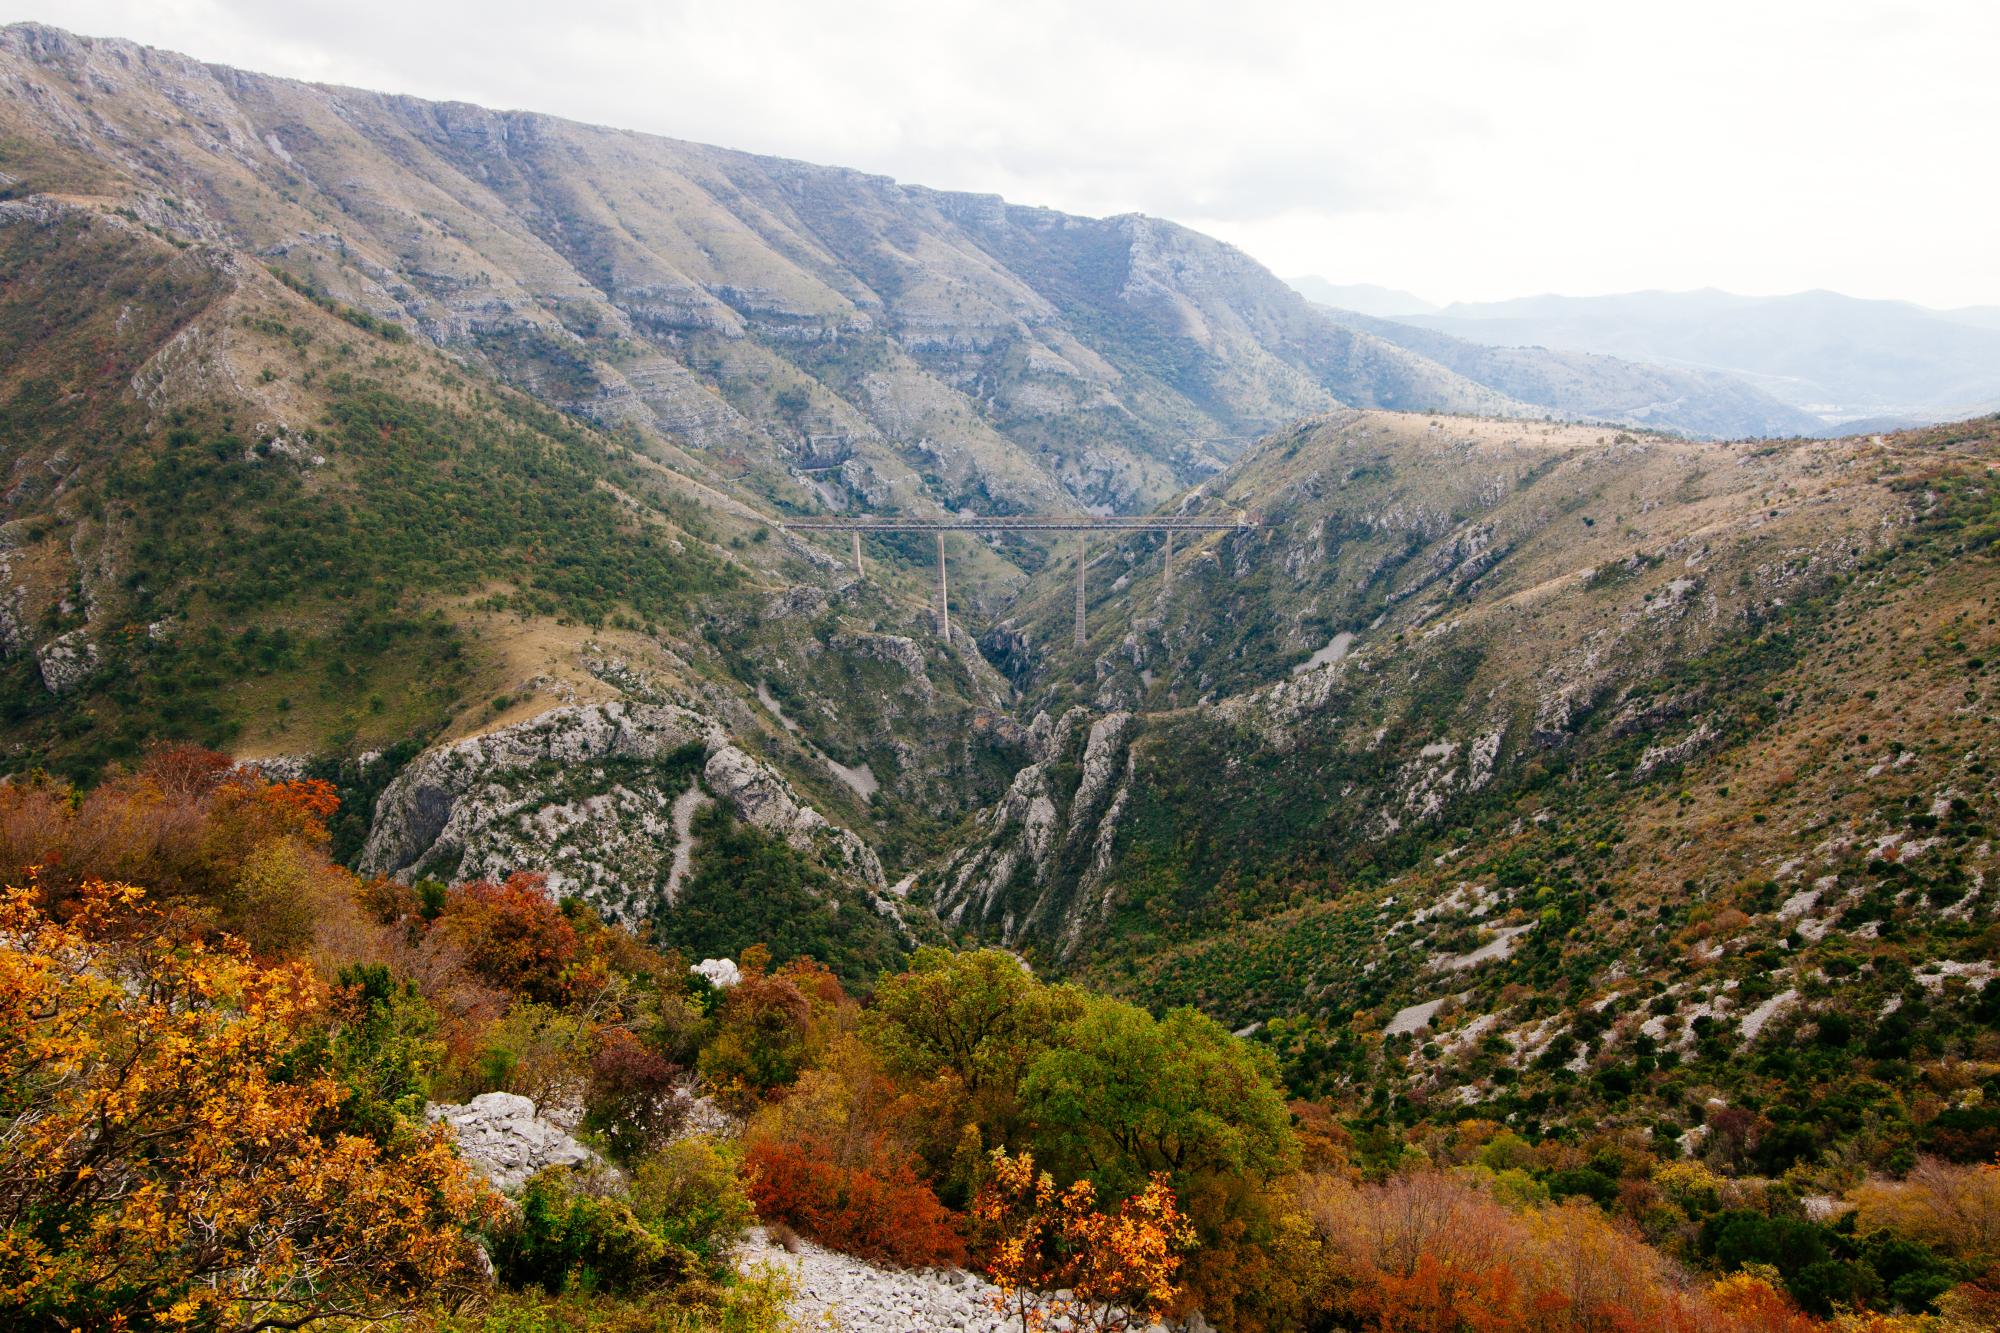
{"x": 878, "y": 1211}
{"x": 515, "y": 936}
{"x": 183, "y": 771}
{"x": 631, "y": 1098}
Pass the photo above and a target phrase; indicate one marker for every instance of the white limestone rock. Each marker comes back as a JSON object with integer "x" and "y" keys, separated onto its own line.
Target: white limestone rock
{"x": 502, "y": 1137}
{"x": 67, "y": 660}
{"x": 722, "y": 973}
{"x": 581, "y": 794}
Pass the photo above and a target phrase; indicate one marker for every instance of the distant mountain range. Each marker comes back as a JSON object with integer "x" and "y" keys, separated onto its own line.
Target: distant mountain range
{"x": 1363, "y": 298}
{"x": 1848, "y": 361}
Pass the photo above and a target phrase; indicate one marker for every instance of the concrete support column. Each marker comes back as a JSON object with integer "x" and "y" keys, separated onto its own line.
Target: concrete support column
{"x": 1082, "y": 563}
{"x": 1167, "y": 565}
{"x": 857, "y": 554}
{"x": 944, "y": 596}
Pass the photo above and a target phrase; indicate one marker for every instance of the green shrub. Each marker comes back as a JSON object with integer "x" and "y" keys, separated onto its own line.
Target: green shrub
{"x": 688, "y": 1194}
{"x": 563, "y": 1235}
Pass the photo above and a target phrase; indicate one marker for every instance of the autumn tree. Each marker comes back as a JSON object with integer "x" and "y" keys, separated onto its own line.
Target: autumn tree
{"x": 977, "y": 1016}
{"x": 515, "y": 936}
{"x": 230, "y": 847}
{"x": 160, "y": 1166}
{"x": 1060, "y": 1261}
{"x": 835, "y": 1158}
{"x": 769, "y": 1026}
{"x": 1953, "y": 1208}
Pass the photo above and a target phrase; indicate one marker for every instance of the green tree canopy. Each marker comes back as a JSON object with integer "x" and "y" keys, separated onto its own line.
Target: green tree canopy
{"x": 980, "y": 1016}
{"x": 1126, "y": 1094}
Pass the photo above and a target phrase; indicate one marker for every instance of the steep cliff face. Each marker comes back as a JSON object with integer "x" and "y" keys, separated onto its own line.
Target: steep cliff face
{"x": 602, "y": 800}
{"x": 1036, "y": 868}
{"x": 1544, "y": 771}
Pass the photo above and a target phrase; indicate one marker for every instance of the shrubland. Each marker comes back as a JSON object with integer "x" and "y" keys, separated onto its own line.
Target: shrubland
{"x": 214, "y": 1088}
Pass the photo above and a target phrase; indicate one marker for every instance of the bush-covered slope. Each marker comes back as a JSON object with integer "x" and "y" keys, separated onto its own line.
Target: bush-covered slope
{"x": 241, "y": 512}
{"x": 1636, "y": 773}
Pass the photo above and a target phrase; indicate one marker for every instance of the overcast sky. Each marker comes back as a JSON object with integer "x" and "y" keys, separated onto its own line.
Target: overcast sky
{"x": 1464, "y": 150}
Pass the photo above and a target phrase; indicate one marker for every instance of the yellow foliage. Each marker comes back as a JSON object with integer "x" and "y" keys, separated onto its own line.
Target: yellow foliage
{"x": 1689, "y": 1184}
{"x": 1953, "y": 1209}
{"x": 1117, "y": 1270}
{"x": 156, "y": 1166}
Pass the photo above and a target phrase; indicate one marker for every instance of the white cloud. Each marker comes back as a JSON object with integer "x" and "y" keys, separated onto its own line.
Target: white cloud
{"x": 1462, "y": 149}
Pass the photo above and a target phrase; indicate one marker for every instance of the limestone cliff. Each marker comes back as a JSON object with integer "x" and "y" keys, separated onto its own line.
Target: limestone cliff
{"x": 587, "y": 796}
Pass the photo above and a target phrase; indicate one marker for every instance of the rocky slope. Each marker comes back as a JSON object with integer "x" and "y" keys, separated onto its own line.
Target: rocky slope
{"x": 602, "y": 800}
{"x": 768, "y": 315}
{"x": 1499, "y": 751}
{"x": 834, "y": 1290}
{"x": 245, "y": 516}
{"x": 1501, "y": 755}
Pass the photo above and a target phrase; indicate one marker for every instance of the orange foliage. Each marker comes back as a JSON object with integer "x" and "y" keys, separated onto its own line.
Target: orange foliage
{"x": 235, "y": 850}
{"x": 878, "y": 1210}
{"x": 1754, "y": 1303}
{"x": 834, "y": 1160}
{"x": 159, "y": 1169}
{"x": 1118, "y": 1269}
{"x": 312, "y": 797}
{"x": 1431, "y": 1252}
{"x": 516, "y": 936}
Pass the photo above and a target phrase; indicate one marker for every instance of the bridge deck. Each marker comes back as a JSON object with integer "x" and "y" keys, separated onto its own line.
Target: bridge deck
{"x": 1081, "y": 525}
{"x": 1017, "y": 524}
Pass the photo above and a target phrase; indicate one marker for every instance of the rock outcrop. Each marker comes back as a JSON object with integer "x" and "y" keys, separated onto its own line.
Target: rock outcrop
{"x": 721, "y": 973}
{"x": 1046, "y": 849}
{"x": 66, "y": 660}
{"x": 502, "y": 1137}
{"x": 586, "y": 794}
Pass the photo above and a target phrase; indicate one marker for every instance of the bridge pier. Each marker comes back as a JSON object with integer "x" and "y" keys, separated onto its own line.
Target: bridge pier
{"x": 1082, "y": 563}
{"x": 944, "y": 596}
{"x": 1082, "y": 527}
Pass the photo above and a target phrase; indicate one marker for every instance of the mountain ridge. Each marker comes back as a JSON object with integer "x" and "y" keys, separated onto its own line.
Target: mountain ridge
{"x": 793, "y": 314}
{"x": 1842, "y": 357}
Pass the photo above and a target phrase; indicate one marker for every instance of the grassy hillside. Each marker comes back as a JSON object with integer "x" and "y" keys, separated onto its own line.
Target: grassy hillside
{"x": 245, "y": 513}
{"x": 221, "y": 571}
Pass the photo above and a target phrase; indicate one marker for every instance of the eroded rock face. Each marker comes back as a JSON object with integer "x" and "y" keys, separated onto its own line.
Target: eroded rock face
{"x": 586, "y": 795}
{"x": 502, "y": 1137}
{"x": 1040, "y": 863}
{"x": 67, "y": 660}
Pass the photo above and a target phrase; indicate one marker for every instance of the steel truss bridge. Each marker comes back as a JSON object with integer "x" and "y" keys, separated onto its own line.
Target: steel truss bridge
{"x": 1082, "y": 526}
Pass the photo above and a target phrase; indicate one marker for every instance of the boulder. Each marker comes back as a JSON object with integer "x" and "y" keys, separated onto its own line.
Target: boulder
{"x": 502, "y": 1137}
{"x": 66, "y": 661}
{"x": 722, "y": 973}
